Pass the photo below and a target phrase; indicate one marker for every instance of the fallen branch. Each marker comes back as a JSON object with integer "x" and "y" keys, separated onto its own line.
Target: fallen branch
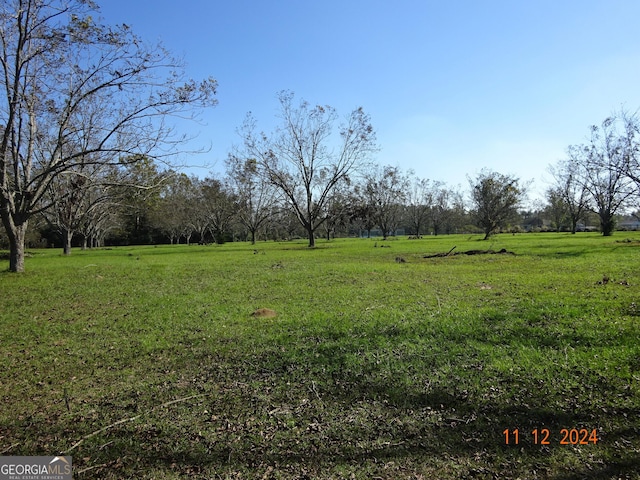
{"x": 131, "y": 419}
{"x": 9, "y": 448}
{"x": 470, "y": 252}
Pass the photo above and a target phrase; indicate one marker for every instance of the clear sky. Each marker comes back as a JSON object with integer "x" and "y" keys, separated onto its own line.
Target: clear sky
{"x": 452, "y": 86}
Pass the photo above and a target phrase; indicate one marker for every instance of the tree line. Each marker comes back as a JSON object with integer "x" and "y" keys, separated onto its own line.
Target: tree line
{"x": 86, "y": 145}
{"x": 243, "y": 204}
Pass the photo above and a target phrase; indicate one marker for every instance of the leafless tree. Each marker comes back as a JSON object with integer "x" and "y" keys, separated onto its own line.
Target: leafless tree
{"x": 100, "y": 215}
{"x": 570, "y": 188}
{"x": 220, "y": 205}
{"x": 256, "y": 196}
{"x": 304, "y": 160}
{"x": 69, "y": 199}
{"x": 443, "y": 203}
{"x": 419, "y": 199}
{"x": 385, "y": 190}
{"x": 77, "y": 92}
{"x": 604, "y": 170}
{"x": 337, "y": 210}
{"x": 630, "y": 140}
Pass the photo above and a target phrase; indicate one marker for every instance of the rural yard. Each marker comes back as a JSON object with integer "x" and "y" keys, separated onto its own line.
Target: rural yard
{"x": 319, "y": 240}
{"x": 369, "y": 359}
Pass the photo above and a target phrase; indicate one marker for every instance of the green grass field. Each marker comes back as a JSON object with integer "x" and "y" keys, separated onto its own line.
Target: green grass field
{"x": 145, "y": 362}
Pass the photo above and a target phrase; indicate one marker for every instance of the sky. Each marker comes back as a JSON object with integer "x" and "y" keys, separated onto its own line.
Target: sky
{"x": 452, "y": 86}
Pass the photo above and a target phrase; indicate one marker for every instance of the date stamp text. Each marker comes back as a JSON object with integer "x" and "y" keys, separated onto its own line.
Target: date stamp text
{"x": 544, "y": 436}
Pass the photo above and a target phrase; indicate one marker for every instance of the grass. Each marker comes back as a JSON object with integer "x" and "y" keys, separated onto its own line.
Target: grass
{"x": 144, "y": 362}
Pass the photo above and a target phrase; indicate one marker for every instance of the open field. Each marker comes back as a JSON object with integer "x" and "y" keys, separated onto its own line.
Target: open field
{"x": 145, "y": 362}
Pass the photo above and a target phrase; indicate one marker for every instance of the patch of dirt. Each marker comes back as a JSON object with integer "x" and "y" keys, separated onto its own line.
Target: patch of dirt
{"x": 264, "y": 313}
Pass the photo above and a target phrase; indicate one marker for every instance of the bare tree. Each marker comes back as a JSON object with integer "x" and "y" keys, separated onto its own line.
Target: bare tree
{"x": 419, "y": 199}
{"x": 74, "y": 91}
{"x": 495, "y": 198}
{"x": 630, "y": 140}
{"x": 256, "y": 195}
{"x": 455, "y": 215}
{"x": 302, "y": 159}
{"x": 100, "y": 216}
{"x": 570, "y": 189}
{"x": 198, "y": 212}
{"x": 338, "y": 209}
{"x": 221, "y": 206}
{"x": 604, "y": 163}
{"x": 385, "y": 190}
{"x": 362, "y": 212}
{"x": 442, "y": 202}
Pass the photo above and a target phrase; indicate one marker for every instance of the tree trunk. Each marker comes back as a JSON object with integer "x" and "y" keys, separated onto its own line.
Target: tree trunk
{"x": 67, "y": 235}
{"x": 607, "y": 225}
{"x": 312, "y": 239}
{"x": 253, "y": 236}
{"x": 16, "y": 247}
{"x": 574, "y": 225}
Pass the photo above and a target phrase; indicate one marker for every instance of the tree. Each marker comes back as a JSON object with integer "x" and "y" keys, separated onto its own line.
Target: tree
{"x": 631, "y": 143}
{"x": 385, "y": 191}
{"x": 495, "y": 199}
{"x": 77, "y": 92}
{"x": 78, "y": 200}
{"x": 221, "y": 206}
{"x": 569, "y": 197}
{"x": 198, "y": 214}
{"x": 419, "y": 199}
{"x": 604, "y": 163}
{"x": 362, "y": 212}
{"x": 100, "y": 216}
{"x": 173, "y": 212}
{"x": 337, "y": 209}
{"x": 440, "y": 212}
{"x": 68, "y": 205}
{"x": 556, "y": 208}
{"x": 256, "y": 195}
{"x": 138, "y": 186}
{"x": 304, "y": 160}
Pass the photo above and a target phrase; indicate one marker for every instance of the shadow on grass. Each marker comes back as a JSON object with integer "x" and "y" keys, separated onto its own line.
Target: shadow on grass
{"x": 317, "y": 415}
{"x": 320, "y": 410}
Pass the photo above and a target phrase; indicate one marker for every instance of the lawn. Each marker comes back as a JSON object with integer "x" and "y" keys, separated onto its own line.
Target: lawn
{"x": 145, "y": 362}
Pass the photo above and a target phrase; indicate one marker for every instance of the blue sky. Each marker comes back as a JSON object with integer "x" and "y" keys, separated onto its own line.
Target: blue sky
{"x": 452, "y": 86}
